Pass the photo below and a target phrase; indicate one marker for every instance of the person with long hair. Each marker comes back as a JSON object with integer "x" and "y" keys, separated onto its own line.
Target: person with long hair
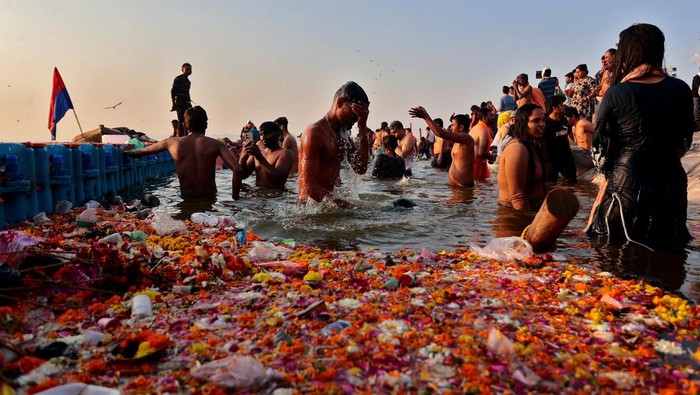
{"x": 521, "y": 182}
{"x": 644, "y": 127}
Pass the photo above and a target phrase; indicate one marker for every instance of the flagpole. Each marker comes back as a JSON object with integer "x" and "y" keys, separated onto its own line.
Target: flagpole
{"x": 76, "y": 119}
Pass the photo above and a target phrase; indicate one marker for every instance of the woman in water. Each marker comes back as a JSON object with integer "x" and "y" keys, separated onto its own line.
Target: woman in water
{"x": 389, "y": 165}
{"x": 644, "y": 127}
{"x": 521, "y": 172}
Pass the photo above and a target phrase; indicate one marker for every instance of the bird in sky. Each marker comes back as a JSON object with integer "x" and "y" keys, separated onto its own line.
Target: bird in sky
{"x": 113, "y": 107}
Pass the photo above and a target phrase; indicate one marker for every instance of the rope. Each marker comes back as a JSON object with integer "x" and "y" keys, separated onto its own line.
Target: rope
{"x": 622, "y": 218}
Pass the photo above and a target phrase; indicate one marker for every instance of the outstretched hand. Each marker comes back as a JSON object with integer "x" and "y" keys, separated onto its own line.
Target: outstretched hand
{"x": 418, "y": 112}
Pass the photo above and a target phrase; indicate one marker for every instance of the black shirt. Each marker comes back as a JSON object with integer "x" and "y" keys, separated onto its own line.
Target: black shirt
{"x": 180, "y": 93}
{"x": 386, "y": 167}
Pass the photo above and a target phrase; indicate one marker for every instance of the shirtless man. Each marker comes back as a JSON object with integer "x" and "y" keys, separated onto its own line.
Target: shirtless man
{"x": 522, "y": 90}
{"x": 195, "y": 157}
{"x": 378, "y": 145}
{"x": 407, "y": 145}
{"x": 272, "y": 164}
{"x": 461, "y": 171}
{"x": 481, "y": 134}
{"x": 326, "y": 142}
{"x": 288, "y": 142}
{"x": 583, "y": 131}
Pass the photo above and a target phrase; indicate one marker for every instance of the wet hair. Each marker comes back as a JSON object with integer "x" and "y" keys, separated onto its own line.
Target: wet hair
{"x": 385, "y": 125}
{"x": 571, "y": 112}
{"x": 582, "y": 67}
{"x": 353, "y": 92}
{"x": 197, "y": 119}
{"x": 462, "y": 119}
{"x": 439, "y": 122}
{"x": 472, "y": 108}
{"x": 281, "y": 121}
{"x": 269, "y": 126}
{"x": 186, "y": 65}
{"x": 523, "y": 76}
{"x": 570, "y": 75}
{"x": 505, "y": 89}
{"x": 522, "y": 117}
{"x": 175, "y": 122}
{"x": 547, "y": 72}
{"x": 554, "y": 101}
{"x": 639, "y": 44}
{"x": 611, "y": 51}
{"x": 396, "y": 125}
{"x": 390, "y": 141}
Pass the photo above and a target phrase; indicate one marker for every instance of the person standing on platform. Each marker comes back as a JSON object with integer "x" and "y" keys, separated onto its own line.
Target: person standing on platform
{"x": 180, "y": 95}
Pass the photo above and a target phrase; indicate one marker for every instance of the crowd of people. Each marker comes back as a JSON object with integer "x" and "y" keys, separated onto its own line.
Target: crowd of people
{"x": 635, "y": 118}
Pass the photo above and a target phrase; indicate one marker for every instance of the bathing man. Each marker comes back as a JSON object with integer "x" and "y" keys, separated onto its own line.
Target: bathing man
{"x": 195, "y": 157}
{"x": 272, "y": 164}
{"x": 288, "y": 142}
{"x": 326, "y": 142}
{"x": 462, "y": 168}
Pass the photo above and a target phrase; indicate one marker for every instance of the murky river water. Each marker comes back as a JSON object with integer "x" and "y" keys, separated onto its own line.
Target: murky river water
{"x": 445, "y": 218}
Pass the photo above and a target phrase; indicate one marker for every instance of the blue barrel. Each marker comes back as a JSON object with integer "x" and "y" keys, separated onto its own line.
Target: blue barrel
{"x": 61, "y": 173}
{"x": 91, "y": 171}
{"x": 100, "y": 164}
{"x": 160, "y": 169}
{"x": 78, "y": 190}
{"x": 42, "y": 186}
{"x": 168, "y": 163}
{"x": 128, "y": 171}
{"x": 111, "y": 170}
{"x": 140, "y": 170}
{"x": 119, "y": 161}
{"x": 150, "y": 166}
{"x": 16, "y": 184}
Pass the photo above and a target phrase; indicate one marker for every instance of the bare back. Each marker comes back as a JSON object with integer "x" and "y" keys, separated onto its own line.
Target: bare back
{"x": 583, "y": 134}
{"x": 195, "y": 160}
{"x": 290, "y": 143}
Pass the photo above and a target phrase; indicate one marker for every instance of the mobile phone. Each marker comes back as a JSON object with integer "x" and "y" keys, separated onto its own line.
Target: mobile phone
{"x": 247, "y": 137}
{"x": 538, "y": 74}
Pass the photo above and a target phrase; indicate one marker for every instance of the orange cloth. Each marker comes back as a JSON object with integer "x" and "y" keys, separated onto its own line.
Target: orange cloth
{"x": 538, "y": 98}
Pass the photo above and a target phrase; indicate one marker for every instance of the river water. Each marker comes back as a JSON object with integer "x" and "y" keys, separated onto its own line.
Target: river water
{"x": 445, "y": 217}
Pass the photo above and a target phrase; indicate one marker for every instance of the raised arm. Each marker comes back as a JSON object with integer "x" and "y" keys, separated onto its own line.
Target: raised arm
{"x": 420, "y": 112}
{"x": 232, "y": 163}
{"x": 160, "y": 146}
{"x": 360, "y": 157}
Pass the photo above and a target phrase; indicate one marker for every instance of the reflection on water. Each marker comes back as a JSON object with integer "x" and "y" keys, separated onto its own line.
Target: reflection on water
{"x": 445, "y": 217}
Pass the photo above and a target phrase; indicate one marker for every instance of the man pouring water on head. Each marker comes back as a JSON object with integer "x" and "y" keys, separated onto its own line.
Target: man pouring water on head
{"x": 326, "y": 143}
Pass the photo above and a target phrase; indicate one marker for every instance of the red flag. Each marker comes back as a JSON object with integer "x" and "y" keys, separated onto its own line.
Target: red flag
{"x": 60, "y": 102}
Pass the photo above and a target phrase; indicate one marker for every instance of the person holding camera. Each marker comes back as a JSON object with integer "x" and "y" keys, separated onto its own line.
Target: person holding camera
{"x": 272, "y": 164}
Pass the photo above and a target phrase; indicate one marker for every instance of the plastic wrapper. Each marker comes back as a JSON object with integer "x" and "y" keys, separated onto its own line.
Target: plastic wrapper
{"x": 505, "y": 249}
{"x": 266, "y": 251}
{"x": 237, "y": 373}
{"x": 164, "y": 225}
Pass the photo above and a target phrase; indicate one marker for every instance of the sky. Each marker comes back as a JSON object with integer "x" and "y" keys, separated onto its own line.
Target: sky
{"x": 258, "y": 60}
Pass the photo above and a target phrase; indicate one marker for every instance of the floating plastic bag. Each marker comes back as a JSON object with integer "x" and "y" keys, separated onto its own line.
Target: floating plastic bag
{"x": 266, "y": 251}
{"x": 87, "y": 218}
{"x": 164, "y": 225}
{"x": 92, "y": 204}
{"x": 505, "y": 249}
{"x": 236, "y": 372}
{"x": 62, "y": 207}
{"x": 11, "y": 243}
{"x": 205, "y": 219}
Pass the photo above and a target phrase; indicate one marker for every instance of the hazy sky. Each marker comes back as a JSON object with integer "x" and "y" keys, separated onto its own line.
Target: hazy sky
{"x": 262, "y": 59}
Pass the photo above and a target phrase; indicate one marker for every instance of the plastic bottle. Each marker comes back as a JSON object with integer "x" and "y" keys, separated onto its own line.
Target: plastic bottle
{"x": 141, "y": 306}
